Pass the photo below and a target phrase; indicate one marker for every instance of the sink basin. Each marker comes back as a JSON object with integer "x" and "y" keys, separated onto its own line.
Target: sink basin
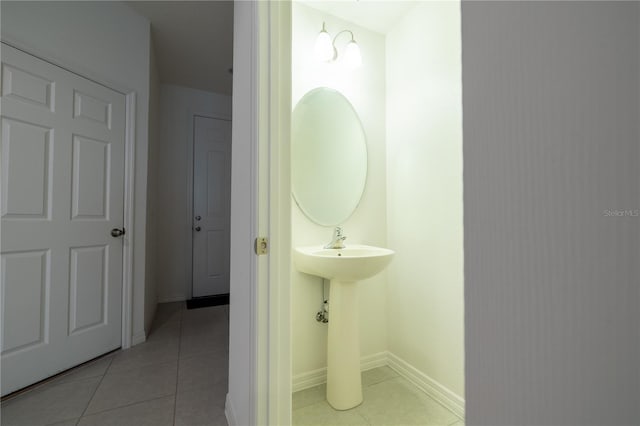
{"x": 353, "y": 263}
{"x": 344, "y": 268}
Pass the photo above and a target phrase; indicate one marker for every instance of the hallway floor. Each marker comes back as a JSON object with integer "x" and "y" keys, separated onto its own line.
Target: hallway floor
{"x": 389, "y": 400}
{"x": 177, "y": 377}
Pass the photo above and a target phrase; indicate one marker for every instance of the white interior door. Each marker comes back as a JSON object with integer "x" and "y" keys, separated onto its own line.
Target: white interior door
{"x": 62, "y": 194}
{"x": 211, "y": 205}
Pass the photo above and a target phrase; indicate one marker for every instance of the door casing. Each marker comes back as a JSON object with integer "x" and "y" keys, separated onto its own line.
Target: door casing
{"x": 260, "y": 341}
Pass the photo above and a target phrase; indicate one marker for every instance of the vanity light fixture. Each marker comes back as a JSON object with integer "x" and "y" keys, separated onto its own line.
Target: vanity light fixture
{"x": 326, "y": 51}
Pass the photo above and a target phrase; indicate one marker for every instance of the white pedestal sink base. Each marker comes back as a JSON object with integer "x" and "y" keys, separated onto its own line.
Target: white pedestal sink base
{"x": 344, "y": 382}
{"x": 344, "y": 267}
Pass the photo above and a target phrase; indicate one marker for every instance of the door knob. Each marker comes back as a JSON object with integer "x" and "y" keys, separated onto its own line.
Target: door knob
{"x": 198, "y": 217}
{"x": 197, "y": 228}
{"x": 117, "y": 232}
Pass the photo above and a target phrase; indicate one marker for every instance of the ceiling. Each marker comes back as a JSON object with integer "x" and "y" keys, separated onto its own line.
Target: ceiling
{"x": 376, "y": 15}
{"x": 193, "y": 42}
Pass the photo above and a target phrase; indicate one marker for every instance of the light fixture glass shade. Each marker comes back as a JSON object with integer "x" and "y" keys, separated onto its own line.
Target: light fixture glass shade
{"x": 324, "y": 48}
{"x": 352, "y": 56}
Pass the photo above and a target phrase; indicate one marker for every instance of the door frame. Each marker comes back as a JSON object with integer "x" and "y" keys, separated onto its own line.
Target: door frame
{"x": 275, "y": 26}
{"x": 191, "y": 115}
{"x": 129, "y": 174}
{"x": 260, "y": 333}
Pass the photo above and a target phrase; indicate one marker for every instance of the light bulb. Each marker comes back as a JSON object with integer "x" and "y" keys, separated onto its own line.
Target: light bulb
{"x": 324, "y": 48}
{"x": 352, "y": 56}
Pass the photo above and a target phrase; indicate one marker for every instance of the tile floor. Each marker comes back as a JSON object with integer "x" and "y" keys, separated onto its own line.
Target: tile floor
{"x": 388, "y": 400}
{"x": 178, "y": 377}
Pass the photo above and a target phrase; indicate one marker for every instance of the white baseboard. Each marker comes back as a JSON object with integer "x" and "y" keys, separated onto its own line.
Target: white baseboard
{"x": 229, "y": 412}
{"x": 431, "y": 387}
{"x": 309, "y": 379}
{"x": 319, "y": 376}
{"x": 174, "y": 298}
{"x": 138, "y": 338}
{"x": 425, "y": 383}
{"x": 373, "y": 361}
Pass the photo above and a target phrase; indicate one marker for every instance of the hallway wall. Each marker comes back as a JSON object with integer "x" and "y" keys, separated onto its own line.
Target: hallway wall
{"x": 151, "y": 278}
{"x": 173, "y": 225}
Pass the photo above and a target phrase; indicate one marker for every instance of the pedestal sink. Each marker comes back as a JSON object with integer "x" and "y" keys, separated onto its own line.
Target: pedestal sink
{"x": 344, "y": 268}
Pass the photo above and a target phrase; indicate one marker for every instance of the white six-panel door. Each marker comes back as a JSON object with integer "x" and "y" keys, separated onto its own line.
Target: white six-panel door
{"x": 211, "y": 205}
{"x": 61, "y": 195}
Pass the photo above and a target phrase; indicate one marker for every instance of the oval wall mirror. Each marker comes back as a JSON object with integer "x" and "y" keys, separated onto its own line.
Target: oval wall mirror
{"x": 328, "y": 157}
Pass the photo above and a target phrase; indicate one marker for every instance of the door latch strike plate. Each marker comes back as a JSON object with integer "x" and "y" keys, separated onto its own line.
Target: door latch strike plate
{"x": 261, "y": 246}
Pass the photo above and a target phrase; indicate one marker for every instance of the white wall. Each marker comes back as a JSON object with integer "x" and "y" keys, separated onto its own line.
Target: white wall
{"x": 108, "y": 42}
{"x": 151, "y": 278}
{"x": 173, "y": 224}
{"x": 424, "y": 192}
{"x": 551, "y": 144}
{"x": 365, "y": 89}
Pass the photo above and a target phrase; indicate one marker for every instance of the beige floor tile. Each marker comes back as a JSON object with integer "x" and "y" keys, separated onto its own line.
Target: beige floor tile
{"x": 321, "y": 413}
{"x": 137, "y": 387}
{"x": 168, "y": 312}
{"x": 147, "y": 353}
{"x": 168, "y": 331}
{"x": 203, "y": 342}
{"x": 377, "y": 375}
{"x": 72, "y": 422}
{"x": 309, "y": 396}
{"x": 398, "y": 402}
{"x": 95, "y": 368}
{"x": 157, "y": 412}
{"x": 49, "y": 404}
{"x": 201, "y": 407}
{"x": 213, "y": 328}
{"x": 207, "y": 322}
{"x": 204, "y": 315}
{"x": 118, "y": 389}
{"x": 458, "y": 423}
{"x": 202, "y": 371}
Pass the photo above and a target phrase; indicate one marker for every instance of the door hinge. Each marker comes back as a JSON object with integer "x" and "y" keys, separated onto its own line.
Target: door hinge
{"x": 261, "y": 246}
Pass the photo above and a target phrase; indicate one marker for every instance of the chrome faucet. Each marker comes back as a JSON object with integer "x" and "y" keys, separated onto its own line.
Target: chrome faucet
{"x": 338, "y": 239}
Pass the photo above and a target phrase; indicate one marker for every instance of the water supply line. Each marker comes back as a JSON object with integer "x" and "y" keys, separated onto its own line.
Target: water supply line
{"x": 323, "y": 315}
